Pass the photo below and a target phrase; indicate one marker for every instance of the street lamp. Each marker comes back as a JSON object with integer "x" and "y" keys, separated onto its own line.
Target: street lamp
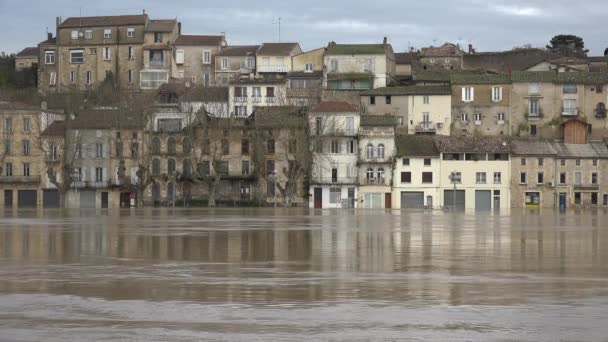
{"x": 455, "y": 177}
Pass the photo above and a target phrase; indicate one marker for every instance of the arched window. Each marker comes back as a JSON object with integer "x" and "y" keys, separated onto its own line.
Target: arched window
{"x": 186, "y": 168}
{"x": 600, "y": 110}
{"x": 156, "y": 192}
{"x": 186, "y": 145}
{"x": 370, "y": 151}
{"x": 380, "y": 174}
{"x": 156, "y": 167}
{"x": 171, "y": 166}
{"x": 156, "y": 145}
{"x": 171, "y": 146}
{"x": 381, "y": 151}
{"x": 370, "y": 174}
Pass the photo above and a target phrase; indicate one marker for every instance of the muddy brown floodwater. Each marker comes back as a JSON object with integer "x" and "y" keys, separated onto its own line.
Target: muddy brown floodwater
{"x": 274, "y": 275}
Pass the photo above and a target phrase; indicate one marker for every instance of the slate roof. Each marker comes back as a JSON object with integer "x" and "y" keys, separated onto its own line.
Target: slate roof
{"x": 409, "y": 90}
{"x": 417, "y": 145}
{"x": 526, "y": 147}
{"x": 378, "y": 120}
{"x": 356, "y": 49}
{"x": 277, "y": 49}
{"x": 161, "y": 25}
{"x": 29, "y": 51}
{"x": 334, "y": 107}
{"x": 405, "y": 57}
{"x": 50, "y": 41}
{"x": 238, "y": 50}
{"x": 466, "y": 144}
{"x": 198, "y": 40}
{"x": 118, "y": 20}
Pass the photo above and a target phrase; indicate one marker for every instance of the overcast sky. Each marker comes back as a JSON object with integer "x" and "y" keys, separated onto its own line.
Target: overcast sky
{"x": 488, "y": 25}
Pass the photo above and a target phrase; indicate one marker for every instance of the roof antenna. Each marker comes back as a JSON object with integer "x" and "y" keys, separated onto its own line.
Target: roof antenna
{"x": 279, "y": 23}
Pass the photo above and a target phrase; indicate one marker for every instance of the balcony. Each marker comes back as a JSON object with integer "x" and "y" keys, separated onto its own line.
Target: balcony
{"x": 374, "y": 181}
{"x": 535, "y": 115}
{"x": 20, "y": 179}
{"x": 334, "y": 180}
{"x": 425, "y": 127}
{"x": 273, "y": 68}
{"x": 91, "y": 184}
{"x": 240, "y": 99}
{"x": 270, "y": 99}
{"x": 256, "y": 99}
{"x": 569, "y": 111}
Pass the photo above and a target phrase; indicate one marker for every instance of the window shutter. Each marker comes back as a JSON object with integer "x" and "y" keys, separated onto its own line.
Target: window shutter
{"x": 500, "y": 94}
{"x": 464, "y": 94}
{"x": 104, "y": 176}
{"x": 472, "y": 94}
{"x": 179, "y": 57}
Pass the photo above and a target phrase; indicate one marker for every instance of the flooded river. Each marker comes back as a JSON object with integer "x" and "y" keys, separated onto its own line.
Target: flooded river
{"x": 274, "y": 275}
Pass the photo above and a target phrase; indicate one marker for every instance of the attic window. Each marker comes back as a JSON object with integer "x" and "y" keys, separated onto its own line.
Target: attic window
{"x": 107, "y": 33}
{"x": 130, "y": 32}
{"x": 569, "y": 88}
{"x": 74, "y": 34}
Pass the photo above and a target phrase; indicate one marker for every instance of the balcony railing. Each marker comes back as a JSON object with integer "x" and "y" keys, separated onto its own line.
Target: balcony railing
{"x": 425, "y": 126}
{"x": 270, "y": 99}
{"x": 374, "y": 181}
{"x": 600, "y": 112}
{"x": 273, "y": 68}
{"x": 568, "y": 111}
{"x": 20, "y": 179}
{"x": 334, "y": 180}
{"x": 91, "y": 184}
{"x": 240, "y": 99}
{"x": 256, "y": 99}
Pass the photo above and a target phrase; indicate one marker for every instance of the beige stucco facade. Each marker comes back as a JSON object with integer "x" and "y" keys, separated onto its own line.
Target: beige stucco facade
{"x": 489, "y": 103}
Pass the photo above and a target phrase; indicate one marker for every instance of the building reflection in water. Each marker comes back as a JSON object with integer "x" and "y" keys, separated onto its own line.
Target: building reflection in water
{"x": 254, "y": 255}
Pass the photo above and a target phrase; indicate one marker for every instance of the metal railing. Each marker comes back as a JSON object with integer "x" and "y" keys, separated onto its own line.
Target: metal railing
{"x": 19, "y": 179}
{"x": 333, "y": 180}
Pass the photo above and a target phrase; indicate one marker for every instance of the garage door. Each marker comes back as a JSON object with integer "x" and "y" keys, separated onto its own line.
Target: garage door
{"x": 87, "y": 199}
{"x": 483, "y": 200}
{"x": 27, "y": 198}
{"x": 412, "y": 200}
{"x": 50, "y": 198}
{"x": 449, "y": 199}
{"x": 373, "y": 200}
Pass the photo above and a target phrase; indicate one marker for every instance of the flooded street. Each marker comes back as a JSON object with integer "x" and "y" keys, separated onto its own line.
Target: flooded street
{"x": 272, "y": 275}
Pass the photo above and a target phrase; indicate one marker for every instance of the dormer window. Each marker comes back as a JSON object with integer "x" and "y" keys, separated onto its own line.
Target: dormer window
{"x": 131, "y": 32}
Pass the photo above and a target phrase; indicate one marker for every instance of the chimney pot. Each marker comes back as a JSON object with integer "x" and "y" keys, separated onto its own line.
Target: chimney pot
{"x": 385, "y": 41}
{"x": 49, "y": 35}
{"x": 179, "y": 28}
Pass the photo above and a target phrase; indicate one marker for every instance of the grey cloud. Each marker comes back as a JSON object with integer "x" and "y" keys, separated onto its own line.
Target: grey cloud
{"x": 499, "y": 24}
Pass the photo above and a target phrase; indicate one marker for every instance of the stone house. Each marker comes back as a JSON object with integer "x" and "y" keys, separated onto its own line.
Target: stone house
{"x": 235, "y": 62}
{"x": 306, "y": 78}
{"x": 195, "y": 57}
{"x": 416, "y": 172}
{"x": 447, "y": 56}
{"x": 541, "y": 102}
{"x": 334, "y": 131}
{"x": 534, "y": 169}
{"x": 158, "y": 53}
{"x": 89, "y": 49}
{"x": 247, "y": 94}
{"x": 417, "y": 109}
{"x": 480, "y": 104}
{"x": 26, "y": 66}
{"x": 376, "y": 160}
{"x": 358, "y": 66}
{"x": 22, "y": 166}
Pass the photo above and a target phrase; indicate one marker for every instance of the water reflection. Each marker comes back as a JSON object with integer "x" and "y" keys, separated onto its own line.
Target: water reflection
{"x": 264, "y": 256}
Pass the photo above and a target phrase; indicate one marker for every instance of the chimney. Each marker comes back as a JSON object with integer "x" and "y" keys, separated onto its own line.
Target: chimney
{"x": 143, "y": 11}
{"x": 385, "y": 41}
{"x": 57, "y": 21}
{"x": 49, "y": 35}
{"x": 179, "y": 28}
{"x": 471, "y": 50}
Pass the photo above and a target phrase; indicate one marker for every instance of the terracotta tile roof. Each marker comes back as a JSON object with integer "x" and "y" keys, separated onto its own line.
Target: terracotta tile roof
{"x": 446, "y": 50}
{"x": 118, "y": 20}
{"x": 238, "y": 50}
{"x": 334, "y": 107}
{"x": 471, "y": 144}
{"x": 416, "y": 145}
{"x": 54, "y": 129}
{"x": 507, "y": 61}
{"x": 29, "y": 51}
{"x": 409, "y": 90}
{"x": 199, "y": 40}
{"x": 278, "y": 49}
{"x": 161, "y": 25}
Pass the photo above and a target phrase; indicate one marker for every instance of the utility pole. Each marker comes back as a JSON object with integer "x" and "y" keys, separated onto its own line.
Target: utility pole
{"x": 279, "y": 23}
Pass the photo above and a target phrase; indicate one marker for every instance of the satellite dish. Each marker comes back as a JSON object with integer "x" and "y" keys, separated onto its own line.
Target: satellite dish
{"x": 80, "y": 34}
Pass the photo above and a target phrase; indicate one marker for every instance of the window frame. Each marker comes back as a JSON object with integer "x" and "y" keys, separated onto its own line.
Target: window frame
{"x": 74, "y": 60}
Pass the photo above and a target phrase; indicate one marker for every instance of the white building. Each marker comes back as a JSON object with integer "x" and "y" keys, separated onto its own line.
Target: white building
{"x": 245, "y": 95}
{"x": 376, "y": 158}
{"x": 335, "y": 126}
{"x": 483, "y": 172}
{"x": 416, "y": 173}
